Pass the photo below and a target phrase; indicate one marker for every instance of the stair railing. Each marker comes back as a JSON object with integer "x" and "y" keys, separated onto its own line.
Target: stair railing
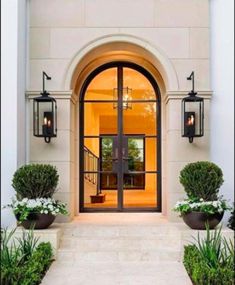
{"x": 92, "y": 168}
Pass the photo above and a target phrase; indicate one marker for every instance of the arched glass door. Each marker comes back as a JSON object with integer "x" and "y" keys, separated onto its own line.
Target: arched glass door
{"x": 120, "y": 153}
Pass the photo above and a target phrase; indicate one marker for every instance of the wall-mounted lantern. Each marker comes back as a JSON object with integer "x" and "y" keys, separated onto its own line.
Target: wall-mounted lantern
{"x": 192, "y": 114}
{"x": 45, "y": 114}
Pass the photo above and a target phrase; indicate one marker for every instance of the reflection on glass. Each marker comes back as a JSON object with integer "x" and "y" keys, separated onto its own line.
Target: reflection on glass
{"x": 135, "y": 154}
{"x": 141, "y": 119}
{"x": 141, "y": 87}
{"x": 102, "y": 86}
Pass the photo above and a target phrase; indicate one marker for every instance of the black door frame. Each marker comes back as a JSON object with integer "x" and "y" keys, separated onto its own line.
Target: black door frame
{"x": 120, "y": 65}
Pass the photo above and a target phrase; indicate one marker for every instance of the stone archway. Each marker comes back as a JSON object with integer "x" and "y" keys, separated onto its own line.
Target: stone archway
{"x": 130, "y": 46}
{"x": 122, "y": 48}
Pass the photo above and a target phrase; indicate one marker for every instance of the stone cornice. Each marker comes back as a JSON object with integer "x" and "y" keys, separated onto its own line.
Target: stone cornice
{"x": 55, "y": 94}
{"x": 179, "y": 95}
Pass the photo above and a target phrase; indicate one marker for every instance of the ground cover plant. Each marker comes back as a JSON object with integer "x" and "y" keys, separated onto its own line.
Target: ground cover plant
{"x": 24, "y": 261}
{"x": 210, "y": 261}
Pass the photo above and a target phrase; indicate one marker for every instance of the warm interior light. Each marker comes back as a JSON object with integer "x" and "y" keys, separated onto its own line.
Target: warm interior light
{"x": 190, "y": 121}
{"x": 45, "y": 120}
{"x": 49, "y": 123}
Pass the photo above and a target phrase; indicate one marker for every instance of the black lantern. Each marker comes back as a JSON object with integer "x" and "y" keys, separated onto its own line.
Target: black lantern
{"x": 192, "y": 114}
{"x": 45, "y": 114}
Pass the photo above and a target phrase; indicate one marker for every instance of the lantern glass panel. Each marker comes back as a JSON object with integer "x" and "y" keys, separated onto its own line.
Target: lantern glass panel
{"x": 192, "y": 117}
{"x": 45, "y": 118}
{"x": 193, "y": 108}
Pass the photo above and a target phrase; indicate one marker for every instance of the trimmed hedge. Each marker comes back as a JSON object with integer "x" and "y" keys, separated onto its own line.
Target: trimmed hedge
{"x": 29, "y": 272}
{"x": 35, "y": 181}
{"x": 201, "y": 273}
{"x": 202, "y": 179}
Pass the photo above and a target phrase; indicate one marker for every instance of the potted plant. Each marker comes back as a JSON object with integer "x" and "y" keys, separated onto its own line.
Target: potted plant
{"x": 34, "y": 205}
{"x": 231, "y": 221}
{"x": 201, "y": 181}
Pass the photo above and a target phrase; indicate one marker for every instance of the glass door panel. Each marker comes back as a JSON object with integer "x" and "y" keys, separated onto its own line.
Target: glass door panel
{"x": 151, "y": 154}
{"x": 102, "y": 86}
{"x": 99, "y": 118}
{"x": 141, "y": 198}
{"x": 139, "y": 86}
{"x": 140, "y": 119}
{"x": 120, "y": 141}
{"x": 109, "y": 163}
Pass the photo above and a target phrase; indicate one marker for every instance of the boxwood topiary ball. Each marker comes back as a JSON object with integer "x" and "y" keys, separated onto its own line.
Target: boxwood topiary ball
{"x": 35, "y": 181}
{"x": 202, "y": 179}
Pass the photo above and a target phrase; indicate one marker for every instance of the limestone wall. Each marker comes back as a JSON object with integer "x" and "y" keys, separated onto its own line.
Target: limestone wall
{"x": 60, "y": 30}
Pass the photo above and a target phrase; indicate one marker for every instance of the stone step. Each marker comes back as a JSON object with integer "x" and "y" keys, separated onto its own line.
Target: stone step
{"x": 156, "y": 256}
{"x": 120, "y": 231}
{"x": 116, "y": 244}
{"x": 118, "y": 273}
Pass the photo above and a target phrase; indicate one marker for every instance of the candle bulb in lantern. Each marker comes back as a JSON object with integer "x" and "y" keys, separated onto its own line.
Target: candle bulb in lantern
{"x": 49, "y": 127}
{"x": 190, "y": 124}
{"x": 44, "y": 126}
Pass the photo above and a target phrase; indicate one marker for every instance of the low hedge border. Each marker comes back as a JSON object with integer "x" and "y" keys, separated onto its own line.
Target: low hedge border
{"x": 32, "y": 271}
{"x": 201, "y": 274}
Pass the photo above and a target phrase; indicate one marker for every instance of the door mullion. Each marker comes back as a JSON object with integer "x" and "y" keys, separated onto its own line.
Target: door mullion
{"x": 120, "y": 139}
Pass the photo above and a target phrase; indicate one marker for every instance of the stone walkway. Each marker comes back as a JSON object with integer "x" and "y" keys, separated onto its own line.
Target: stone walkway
{"x": 125, "y": 249}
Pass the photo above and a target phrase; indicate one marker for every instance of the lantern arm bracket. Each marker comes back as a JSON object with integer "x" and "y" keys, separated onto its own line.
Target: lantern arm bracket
{"x": 44, "y": 75}
{"x": 191, "y": 77}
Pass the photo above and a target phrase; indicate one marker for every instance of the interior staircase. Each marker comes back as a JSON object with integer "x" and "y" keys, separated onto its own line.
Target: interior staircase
{"x": 124, "y": 252}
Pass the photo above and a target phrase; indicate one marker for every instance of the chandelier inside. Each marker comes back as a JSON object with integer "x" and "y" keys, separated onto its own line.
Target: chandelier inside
{"x": 127, "y": 98}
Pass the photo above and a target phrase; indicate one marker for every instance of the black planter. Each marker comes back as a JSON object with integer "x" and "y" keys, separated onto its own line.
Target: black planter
{"x": 37, "y": 221}
{"x": 198, "y": 220}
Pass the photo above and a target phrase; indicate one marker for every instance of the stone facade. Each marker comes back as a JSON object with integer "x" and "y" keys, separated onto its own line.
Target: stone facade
{"x": 66, "y": 37}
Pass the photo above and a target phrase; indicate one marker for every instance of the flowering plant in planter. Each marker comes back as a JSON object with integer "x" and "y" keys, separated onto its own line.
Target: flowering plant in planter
{"x": 201, "y": 181}
{"x": 35, "y": 185}
{"x": 22, "y": 209}
{"x": 208, "y": 207}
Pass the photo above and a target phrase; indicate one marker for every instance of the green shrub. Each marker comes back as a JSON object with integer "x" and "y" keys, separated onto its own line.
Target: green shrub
{"x": 35, "y": 181}
{"x": 202, "y": 179}
{"x": 210, "y": 261}
{"x": 231, "y": 221}
{"x": 23, "y": 263}
{"x": 37, "y": 265}
{"x": 11, "y": 258}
